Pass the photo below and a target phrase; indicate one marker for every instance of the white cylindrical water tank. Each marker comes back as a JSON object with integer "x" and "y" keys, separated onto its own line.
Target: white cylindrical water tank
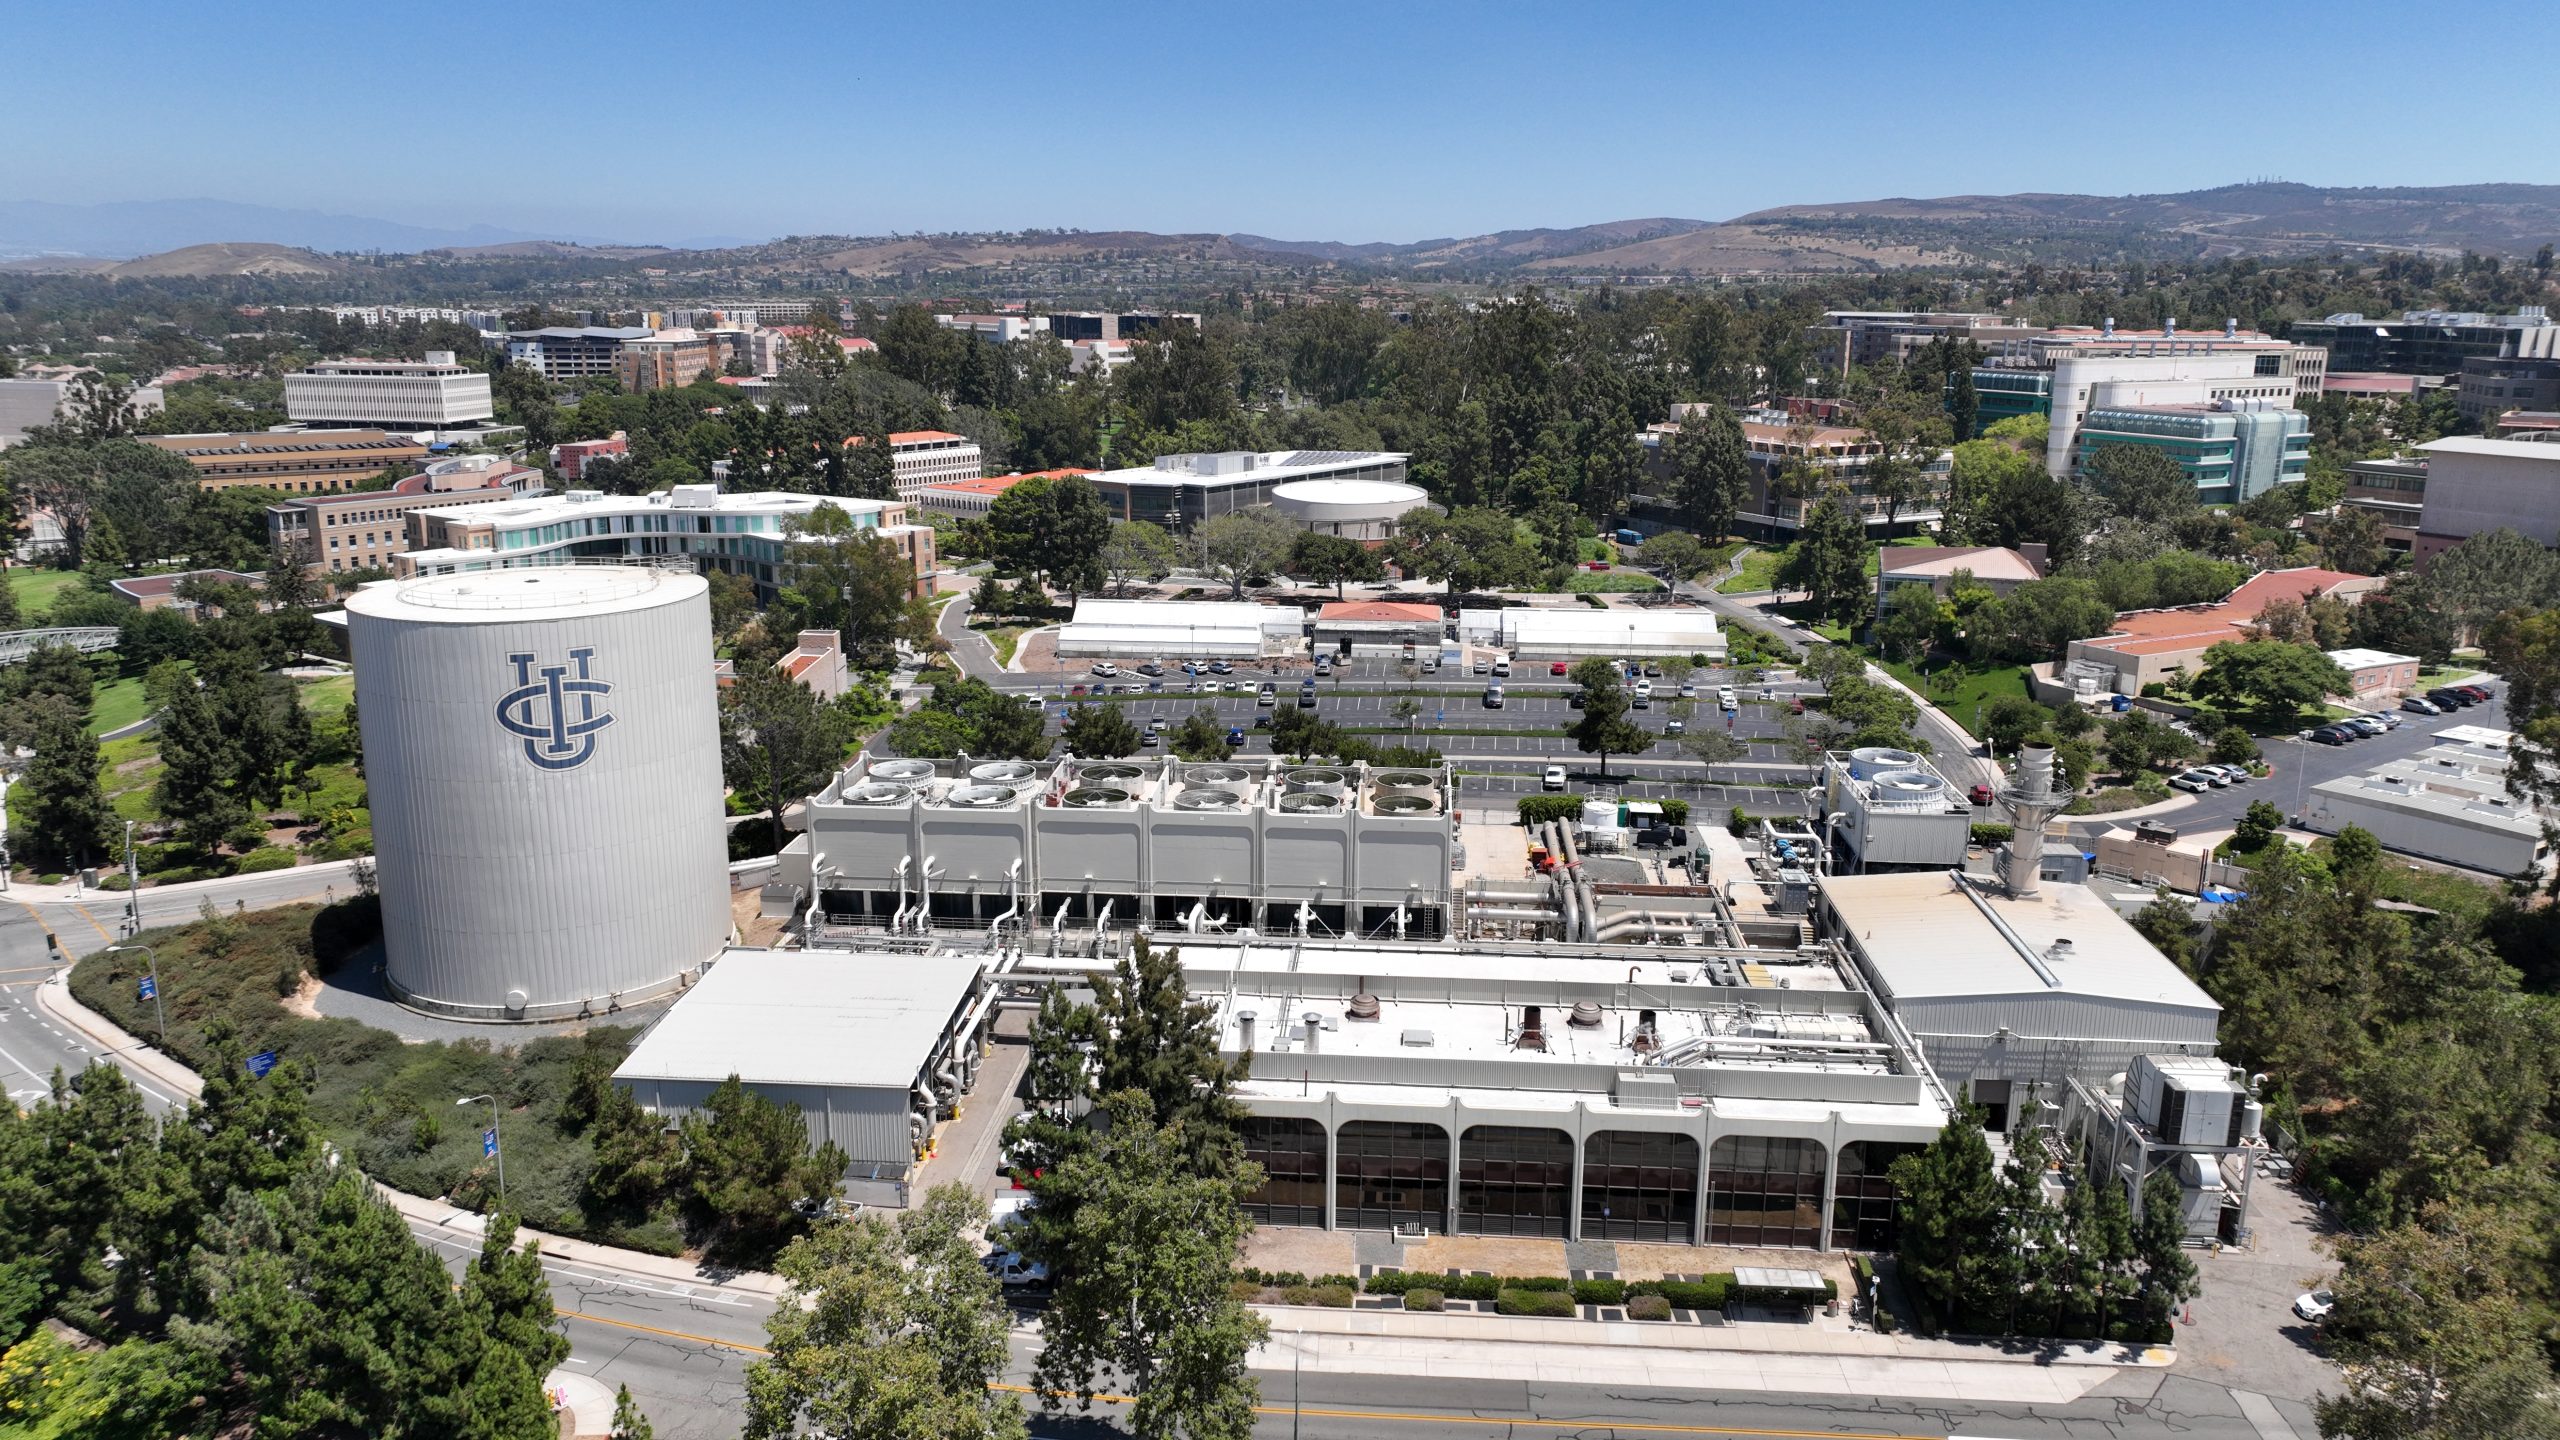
{"x": 542, "y": 748}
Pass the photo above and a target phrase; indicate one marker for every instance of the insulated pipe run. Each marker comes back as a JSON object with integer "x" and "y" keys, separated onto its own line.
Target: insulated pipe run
{"x": 1510, "y": 912}
{"x": 1101, "y": 925}
{"x": 1653, "y": 921}
{"x": 809, "y": 921}
{"x": 1191, "y": 922}
{"x": 900, "y": 919}
{"x": 1013, "y": 888}
{"x": 1572, "y": 908}
{"x": 924, "y": 897}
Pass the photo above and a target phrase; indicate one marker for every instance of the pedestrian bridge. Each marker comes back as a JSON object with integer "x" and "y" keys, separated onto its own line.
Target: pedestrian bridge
{"x": 17, "y": 645}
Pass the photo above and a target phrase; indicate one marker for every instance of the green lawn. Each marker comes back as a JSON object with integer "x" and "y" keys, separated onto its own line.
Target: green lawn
{"x": 132, "y": 767}
{"x": 322, "y": 699}
{"x": 37, "y": 587}
{"x": 1759, "y": 572}
{"x": 114, "y": 705}
{"x": 1960, "y": 690}
{"x": 1609, "y": 582}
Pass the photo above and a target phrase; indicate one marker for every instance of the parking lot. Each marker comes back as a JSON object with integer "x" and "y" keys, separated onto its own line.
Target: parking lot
{"x": 1499, "y": 752}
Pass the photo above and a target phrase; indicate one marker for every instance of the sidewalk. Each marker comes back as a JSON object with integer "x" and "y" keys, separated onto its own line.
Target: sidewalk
{"x": 54, "y": 995}
{"x": 1772, "y": 1357}
{"x": 72, "y": 892}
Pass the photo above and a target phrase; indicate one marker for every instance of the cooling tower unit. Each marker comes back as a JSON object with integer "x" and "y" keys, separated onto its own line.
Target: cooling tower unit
{"x": 543, "y": 753}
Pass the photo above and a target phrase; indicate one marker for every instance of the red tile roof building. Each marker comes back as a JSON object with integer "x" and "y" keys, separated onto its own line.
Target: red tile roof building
{"x": 977, "y": 495}
{"x": 2146, "y": 645}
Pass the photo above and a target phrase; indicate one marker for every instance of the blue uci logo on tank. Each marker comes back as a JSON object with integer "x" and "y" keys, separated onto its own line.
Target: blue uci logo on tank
{"x": 554, "y": 711}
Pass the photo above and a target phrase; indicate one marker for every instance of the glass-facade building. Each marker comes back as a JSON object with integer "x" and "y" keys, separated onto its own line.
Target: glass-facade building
{"x": 2232, "y": 455}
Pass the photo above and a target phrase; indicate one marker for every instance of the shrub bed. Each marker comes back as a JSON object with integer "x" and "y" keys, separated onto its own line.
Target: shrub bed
{"x": 1549, "y": 1304}
{"x": 1648, "y": 1307}
{"x": 1599, "y": 1292}
{"x": 1707, "y": 1294}
{"x": 1422, "y": 1298}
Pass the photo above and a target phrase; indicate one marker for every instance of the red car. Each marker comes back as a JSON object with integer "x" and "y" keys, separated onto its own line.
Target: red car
{"x": 1558, "y": 668}
{"x": 1595, "y": 565}
{"x": 1981, "y": 795}
{"x": 1075, "y": 690}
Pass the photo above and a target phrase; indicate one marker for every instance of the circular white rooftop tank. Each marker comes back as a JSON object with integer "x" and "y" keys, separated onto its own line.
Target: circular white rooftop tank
{"x": 542, "y": 748}
{"x": 1362, "y": 509}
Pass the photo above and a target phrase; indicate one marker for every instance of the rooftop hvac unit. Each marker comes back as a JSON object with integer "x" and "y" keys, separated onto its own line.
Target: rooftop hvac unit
{"x": 980, "y": 797}
{"x": 1218, "y": 774}
{"x": 1306, "y": 802}
{"x": 874, "y": 793}
{"x": 1907, "y": 790}
{"x": 908, "y": 771}
{"x": 1585, "y": 1015}
{"x": 1207, "y": 800}
{"x": 1407, "y": 804}
{"x": 1868, "y": 761}
{"x": 1004, "y": 772}
{"x": 1407, "y": 780}
{"x": 1091, "y": 796}
{"x": 1318, "y": 779}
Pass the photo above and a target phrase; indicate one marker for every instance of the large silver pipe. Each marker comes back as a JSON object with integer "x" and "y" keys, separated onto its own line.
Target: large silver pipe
{"x": 1013, "y": 888}
{"x": 900, "y": 918}
{"x": 1510, "y": 912}
{"x": 817, "y": 876}
{"x": 924, "y": 897}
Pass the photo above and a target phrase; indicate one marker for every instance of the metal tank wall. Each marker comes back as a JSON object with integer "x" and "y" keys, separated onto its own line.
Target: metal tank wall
{"x": 527, "y": 869}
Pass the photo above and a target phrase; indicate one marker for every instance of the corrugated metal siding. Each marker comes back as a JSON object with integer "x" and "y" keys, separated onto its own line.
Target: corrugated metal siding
{"x": 570, "y": 885}
{"x": 870, "y": 1123}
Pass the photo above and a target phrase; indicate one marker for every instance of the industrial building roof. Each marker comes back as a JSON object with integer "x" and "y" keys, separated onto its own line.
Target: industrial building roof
{"x": 2504, "y": 449}
{"x": 536, "y": 592}
{"x": 1594, "y": 632}
{"x": 1984, "y": 562}
{"x": 2363, "y": 659}
{"x": 2453, "y": 806}
{"x": 795, "y": 1017}
{"x": 1143, "y": 623}
{"x": 1343, "y": 612}
{"x": 1924, "y": 937}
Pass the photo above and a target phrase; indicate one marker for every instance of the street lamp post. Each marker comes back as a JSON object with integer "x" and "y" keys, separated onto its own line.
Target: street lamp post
{"x": 159, "y": 1006}
{"x": 497, "y": 1150}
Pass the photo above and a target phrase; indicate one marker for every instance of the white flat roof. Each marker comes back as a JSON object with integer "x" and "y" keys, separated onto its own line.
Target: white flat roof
{"x": 2361, "y": 659}
{"x": 2504, "y": 449}
{"x": 2453, "y": 805}
{"x": 794, "y": 1017}
{"x": 1923, "y": 939}
{"x": 534, "y": 592}
{"x": 1350, "y": 492}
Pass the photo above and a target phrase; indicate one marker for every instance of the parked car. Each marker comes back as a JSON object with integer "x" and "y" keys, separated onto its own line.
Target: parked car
{"x": 1130, "y": 687}
{"x": 1643, "y": 696}
{"x": 1554, "y": 778}
{"x": 1768, "y": 694}
{"x": 1190, "y": 667}
{"x": 1727, "y": 700}
{"x": 1155, "y": 723}
{"x": 1558, "y": 667}
{"x": 1235, "y": 734}
{"x": 2364, "y": 725}
{"x": 1502, "y": 665}
{"x": 1075, "y": 690}
{"x": 1493, "y": 697}
{"x": 1016, "y": 1272}
{"x": 1675, "y": 727}
{"x": 1155, "y": 687}
{"x": 2421, "y": 705}
{"x": 1267, "y": 695}
{"x": 1981, "y": 795}
{"x": 1221, "y": 667}
{"x": 1484, "y": 667}
{"x": 2196, "y": 781}
{"x": 2314, "y": 1305}
{"x": 1575, "y": 699}
{"x": 1105, "y": 668}
{"x": 2327, "y": 735}
{"x": 1151, "y": 670}
{"x": 2390, "y": 719}
{"x": 2451, "y": 698}
{"x": 1689, "y": 690}
{"x": 1150, "y": 739}
{"x": 1653, "y": 668}
{"x": 1307, "y": 698}
{"x": 2232, "y": 773}
{"x": 2479, "y": 693}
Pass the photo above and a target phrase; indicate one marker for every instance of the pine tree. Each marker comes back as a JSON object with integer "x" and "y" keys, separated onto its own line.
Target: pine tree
{"x": 1951, "y": 1200}
{"x": 2159, "y": 1247}
{"x": 1097, "y": 731}
{"x": 198, "y": 760}
{"x": 1829, "y": 561}
{"x": 506, "y": 1298}
{"x": 67, "y": 815}
{"x": 628, "y": 1422}
{"x": 871, "y": 467}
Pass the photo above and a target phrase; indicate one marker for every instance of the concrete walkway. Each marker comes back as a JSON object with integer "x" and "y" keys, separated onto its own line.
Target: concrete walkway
{"x": 971, "y": 651}
{"x": 1776, "y": 1358}
{"x": 72, "y": 892}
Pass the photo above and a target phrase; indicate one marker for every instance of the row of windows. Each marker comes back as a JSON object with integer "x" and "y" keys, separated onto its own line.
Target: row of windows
{"x": 1515, "y": 1180}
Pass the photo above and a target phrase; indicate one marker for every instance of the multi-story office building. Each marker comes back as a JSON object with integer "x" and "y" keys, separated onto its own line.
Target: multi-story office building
{"x": 1083, "y": 355}
{"x": 929, "y": 457}
{"x": 1002, "y": 329}
{"x": 569, "y": 458}
{"x": 1181, "y": 491}
{"x": 573, "y": 352}
{"x": 368, "y": 530}
{"x": 2393, "y": 491}
{"x": 2234, "y": 450}
{"x": 2431, "y": 342}
{"x": 2493, "y": 385}
{"x": 976, "y": 496}
{"x": 434, "y": 393}
{"x": 741, "y": 534}
{"x": 1853, "y": 338}
{"x": 1116, "y": 325}
{"x": 2476, "y": 485}
{"x": 2065, "y": 384}
{"x": 1782, "y": 451}
{"x": 294, "y": 462}
{"x": 669, "y": 359}
{"x": 29, "y": 401}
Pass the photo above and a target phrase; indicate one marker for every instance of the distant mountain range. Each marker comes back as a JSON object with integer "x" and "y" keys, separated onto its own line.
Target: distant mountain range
{"x": 2265, "y": 218}
{"x": 124, "y": 229}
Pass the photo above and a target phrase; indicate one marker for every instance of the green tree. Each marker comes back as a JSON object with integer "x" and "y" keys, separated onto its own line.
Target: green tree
{"x": 2139, "y": 741}
{"x": 750, "y": 1173}
{"x": 1160, "y": 1319}
{"x": 1603, "y": 728}
{"x": 2267, "y": 680}
{"x": 1097, "y": 731}
{"x": 1332, "y": 560}
{"x": 968, "y": 714}
{"x": 2158, "y": 1242}
{"x": 1711, "y": 472}
{"x": 837, "y": 576}
{"x": 1244, "y": 545}
{"x": 779, "y": 742}
{"x": 66, "y": 818}
{"x": 1829, "y": 562}
{"x": 889, "y": 1331}
{"x": 1951, "y": 1198}
{"x": 628, "y": 1422}
{"x": 1964, "y": 405}
{"x": 2433, "y": 1335}
{"x": 506, "y": 1299}
{"x": 870, "y": 464}
{"x": 2488, "y": 574}
{"x": 2169, "y": 923}
{"x": 2010, "y": 719}
{"x": 1909, "y": 624}
{"x": 2141, "y": 481}
{"x": 1200, "y": 736}
{"x": 1675, "y": 556}
{"x": 1138, "y": 550}
{"x": 1472, "y": 548}
{"x": 2036, "y": 620}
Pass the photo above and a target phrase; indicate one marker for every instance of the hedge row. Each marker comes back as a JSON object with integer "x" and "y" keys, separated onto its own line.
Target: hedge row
{"x": 1539, "y": 809}
{"x": 1551, "y": 1304}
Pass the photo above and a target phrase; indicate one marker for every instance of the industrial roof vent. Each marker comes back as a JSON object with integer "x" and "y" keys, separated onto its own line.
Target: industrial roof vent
{"x": 1364, "y": 1006}
{"x": 1310, "y": 802}
{"x": 1869, "y": 761}
{"x": 1093, "y": 796}
{"x": 901, "y": 770}
{"x": 1106, "y": 771}
{"x": 1586, "y": 1015}
{"x": 1318, "y": 779}
{"x": 979, "y": 797}
{"x": 1406, "y": 804}
{"x": 2059, "y": 950}
{"x": 1208, "y": 800}
{"x": 876, "y": 794}
{"x": 1407, "y": 780}
{"x": 1907, "y": 790}
{"x": 1218, "y": 774}
{"x": 1004, "y": 772}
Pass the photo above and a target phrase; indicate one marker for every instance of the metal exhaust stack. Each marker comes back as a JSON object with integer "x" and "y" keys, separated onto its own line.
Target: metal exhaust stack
{"x": 2031, "y": 801}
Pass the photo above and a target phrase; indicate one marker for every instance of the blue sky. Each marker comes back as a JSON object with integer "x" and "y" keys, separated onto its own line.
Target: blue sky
{"x": 1385, "y": 120}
